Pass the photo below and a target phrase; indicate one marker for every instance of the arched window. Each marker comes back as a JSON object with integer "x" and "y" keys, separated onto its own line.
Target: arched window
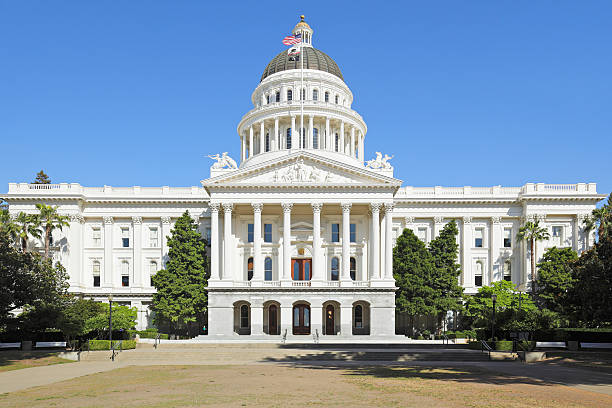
{"x": 315, "y": 138}
{"x": 303, "y": 94}
{"x": 289, "y": 95}
{"x": 478, "y": 274}
{"x": 277, "y": 96}
{"x": 326, "y": 96}
{"x": 508, "y": 271}
{"x": 315, "y": 95}
{"x": 353, "y": 268}
{"x": 95, "y": 270}
{"x": 250, "y": 268}
{"x": 337, "y": 143}
{"x": 267, "y": 142}
{"x": 152, "y": 270}
{"x": 267, "y": 99}
{"x": 125, "y": 273}
{"x": 288, "y": 142}
{"x": 337, "y": 99}
{"x": 268, "y": 269}
{"x": 358, "y": 317}
{"x": 244, "y": 316}
{"x": 335, "y": 269}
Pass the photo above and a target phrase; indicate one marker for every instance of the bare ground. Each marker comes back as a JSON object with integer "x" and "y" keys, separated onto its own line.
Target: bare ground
{"x": 270, "y": 385}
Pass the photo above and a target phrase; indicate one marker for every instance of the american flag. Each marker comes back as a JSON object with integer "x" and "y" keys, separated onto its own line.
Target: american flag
{"x": 292, "y": 39}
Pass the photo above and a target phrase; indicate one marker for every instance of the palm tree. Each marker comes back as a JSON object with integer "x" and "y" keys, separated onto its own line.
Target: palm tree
{"x": 601, "y": 218}
{"x": 27, "y": 225}
{"x": 532, "y": 232}
{"x": 50, "y": 220}
{"x": 7, "y": 225}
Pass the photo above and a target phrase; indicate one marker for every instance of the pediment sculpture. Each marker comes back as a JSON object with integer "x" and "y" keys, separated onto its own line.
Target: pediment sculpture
{"x": 301, "y": 173}
{"x": 379, "y": 162}
{"x": 223, "y": 161}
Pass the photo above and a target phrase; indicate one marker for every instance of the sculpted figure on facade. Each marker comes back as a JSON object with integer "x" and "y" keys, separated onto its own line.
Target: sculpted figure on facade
{"x": 301, "y": 173}
{"x": 223, "y": 161}
{"x": 380, "y": 162}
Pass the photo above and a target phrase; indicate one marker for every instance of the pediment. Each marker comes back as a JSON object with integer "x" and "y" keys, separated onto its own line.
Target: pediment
{"x": 301, "y": 169}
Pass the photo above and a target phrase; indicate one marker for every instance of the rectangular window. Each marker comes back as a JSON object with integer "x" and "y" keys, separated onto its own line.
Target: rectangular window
{"x": 335, "y": 233}
{"x": 96, "y": 235}
{"x": 153, "y": 237}
{"x": 250, "y": 229}
{"x": 96, "y": 273}
{"x": 207, "y": 236}
{"x": 422, "y": 234}
{"x": 478, "y": 280}
{"x": 267, "y": 232}
{"x": 507, "y": 237}
{"x": 125, "y": 281}
{"x": 353, "y": 232}
{"x": 557, "y": 231}
{"x": 96, "y": 281}
{"x": 507, "y": 269}
{"x": 125, "y": 237}
{"x": 478, "y": 238}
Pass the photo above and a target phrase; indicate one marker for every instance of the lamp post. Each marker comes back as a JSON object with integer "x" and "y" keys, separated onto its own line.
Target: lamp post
{"x": 110, "y": 323}
{"x": 494, "y": 299}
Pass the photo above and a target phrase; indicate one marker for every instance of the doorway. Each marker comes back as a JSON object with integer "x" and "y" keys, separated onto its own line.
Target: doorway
{"x": 301, "y": 319}
{"x": 301, "y": 269}
{"x": 273, "y": 320}
{"x": 329, "y": 320}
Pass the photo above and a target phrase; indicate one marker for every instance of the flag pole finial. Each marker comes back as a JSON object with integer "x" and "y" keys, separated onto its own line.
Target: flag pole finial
{"x": 302, "y": 17}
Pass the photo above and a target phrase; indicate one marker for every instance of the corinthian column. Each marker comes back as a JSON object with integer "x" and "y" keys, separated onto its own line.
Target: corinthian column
{"x": 346, "y": 241}
{"x": 317, "y": 268}
{"x": 227, "y": 241}
{"x": 287, "y": 240}
{"x": 137, "y": 251}
{"x": 388, "y": 241}
{"x": 374, "y": 244}
{"x": 258, "y": 264}
{"x": 251, "y": 145}
{"x": 108, "y": 251}
{"x": 214, "y": 241}
{"x": 262, "y": 141}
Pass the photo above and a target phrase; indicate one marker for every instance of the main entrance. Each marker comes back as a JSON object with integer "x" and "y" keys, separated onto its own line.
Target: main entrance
{"x": 329, "y": 320}
{"x": 301, "y": 269}
{"x": 301, "y": 319}
{"x": 273, "y": 320}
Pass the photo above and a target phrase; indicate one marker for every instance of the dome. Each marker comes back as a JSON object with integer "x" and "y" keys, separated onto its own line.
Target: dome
{"x": 313, "y": 59}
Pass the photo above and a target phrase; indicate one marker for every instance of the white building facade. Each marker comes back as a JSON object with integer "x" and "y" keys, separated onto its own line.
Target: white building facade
{"x": 301, "y": 231}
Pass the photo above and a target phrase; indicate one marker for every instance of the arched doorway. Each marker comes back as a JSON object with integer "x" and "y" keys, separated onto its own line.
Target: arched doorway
{"x": 273, "y": 320}
{"x": 301, "y": 319}
{"x": 329, "y": 320}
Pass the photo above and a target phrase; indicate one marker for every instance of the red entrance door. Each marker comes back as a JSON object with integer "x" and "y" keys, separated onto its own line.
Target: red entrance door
{"x": 301, "y": 319}
{"x": 301, "y": 269}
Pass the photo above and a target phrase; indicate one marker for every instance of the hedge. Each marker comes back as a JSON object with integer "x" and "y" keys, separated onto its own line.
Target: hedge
{"x": 105, "y": 344}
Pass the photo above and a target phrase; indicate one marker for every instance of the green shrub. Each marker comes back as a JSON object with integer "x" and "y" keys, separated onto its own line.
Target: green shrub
{"x": 503, "y": 345}
{"x": 151, "y": 335}
{"x": 105, "y": 344}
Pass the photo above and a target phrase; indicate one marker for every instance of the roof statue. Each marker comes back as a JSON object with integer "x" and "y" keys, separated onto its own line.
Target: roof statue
{"x": 380, "y": 162}
{"x": 223, "y": 161}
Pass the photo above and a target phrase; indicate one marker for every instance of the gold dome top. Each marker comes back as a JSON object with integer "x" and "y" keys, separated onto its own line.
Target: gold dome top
{"x": 302, "y": 23}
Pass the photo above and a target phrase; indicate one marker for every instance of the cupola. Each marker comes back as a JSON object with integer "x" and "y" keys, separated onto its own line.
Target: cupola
{"x": 304, "y": 29}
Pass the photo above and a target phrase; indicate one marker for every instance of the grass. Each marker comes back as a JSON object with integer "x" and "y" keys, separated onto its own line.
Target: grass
{"x": 16, "y": 360}
{"x": 268, "y": 385}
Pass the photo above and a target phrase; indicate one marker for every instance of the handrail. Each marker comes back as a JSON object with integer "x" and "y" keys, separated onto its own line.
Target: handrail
{"x": 157, "y": 340}
{"x": 485, "y": 346}
{"x": 114, "y": 349}
{"x": 284, "y": 338}
{"x": 315, "y": 336}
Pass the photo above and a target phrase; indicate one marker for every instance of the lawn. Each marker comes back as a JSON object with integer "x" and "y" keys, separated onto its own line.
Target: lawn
{"x": 267, "y": 385}
{"x": 16, "y": 360}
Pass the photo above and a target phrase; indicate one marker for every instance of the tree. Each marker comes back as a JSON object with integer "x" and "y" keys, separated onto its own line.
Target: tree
{"x": 443, "y": 250}
{"x": 7, "y": 225}
{"x": 555, "y": 279}
{"x": 41, "y": 178}
{"x": 73, "y": 320}
{"x": 181, "y": 287}
{"x": 124, "y": 318}
{"x": 532, "y": 233}
{"x": 600, "y": 219}
{"x": 50, "y": 220}
{"x": 413, "y": 270}
{"x": 27, "y": 225}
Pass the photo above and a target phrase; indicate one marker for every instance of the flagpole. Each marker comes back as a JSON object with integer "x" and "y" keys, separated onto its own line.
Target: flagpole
{"x": 302, "y": 94}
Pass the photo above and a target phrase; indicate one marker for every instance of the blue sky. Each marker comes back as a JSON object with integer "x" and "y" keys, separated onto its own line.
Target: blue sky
{"x": 462, "y": 93}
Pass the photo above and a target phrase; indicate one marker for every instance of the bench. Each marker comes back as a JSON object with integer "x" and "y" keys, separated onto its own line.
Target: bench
{"x": 10, "y": 345}
{"x": 596, "y": 345}
{"x": 550, "y": 344}
{"x": 50, "y": 344}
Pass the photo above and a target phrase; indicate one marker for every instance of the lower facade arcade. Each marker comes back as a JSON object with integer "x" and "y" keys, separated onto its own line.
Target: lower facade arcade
{"x": 290, "y": 313}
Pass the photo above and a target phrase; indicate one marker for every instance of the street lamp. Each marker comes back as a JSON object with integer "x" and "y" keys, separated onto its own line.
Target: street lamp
{"x": 110, "y": 319}
{"x": 494, "y": 299}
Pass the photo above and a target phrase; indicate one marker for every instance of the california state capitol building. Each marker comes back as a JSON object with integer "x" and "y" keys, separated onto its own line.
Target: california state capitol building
{"x": 301, "y": 228}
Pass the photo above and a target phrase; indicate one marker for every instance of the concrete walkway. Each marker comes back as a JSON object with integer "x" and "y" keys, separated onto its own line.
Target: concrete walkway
{"x": 10, "y": 381}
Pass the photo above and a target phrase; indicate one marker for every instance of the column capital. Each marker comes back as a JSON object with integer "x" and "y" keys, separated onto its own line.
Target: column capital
{"x": 496, "y": 219}
{"x": 346, "y": 207}
{"x": 389, "y": 207}
{"x": 287, "y": 207}
{"x": 137, "y": 220}
{"x": 316, "y": 207}
{"x": 77, "y": 218}
{"x": 257, "y": 207}
{"x": 214, "y": 207}
{"x": 438, "y": 219}
{"x": 228, "y": 207}
{"x": 409, "y": 219}
{"x": 375, "y": 207}
{"x": 108, "y": 220}
{"x": 582, "y": 216}
{"x": 165, "y": 220}
{"x": 467, "y": 219}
